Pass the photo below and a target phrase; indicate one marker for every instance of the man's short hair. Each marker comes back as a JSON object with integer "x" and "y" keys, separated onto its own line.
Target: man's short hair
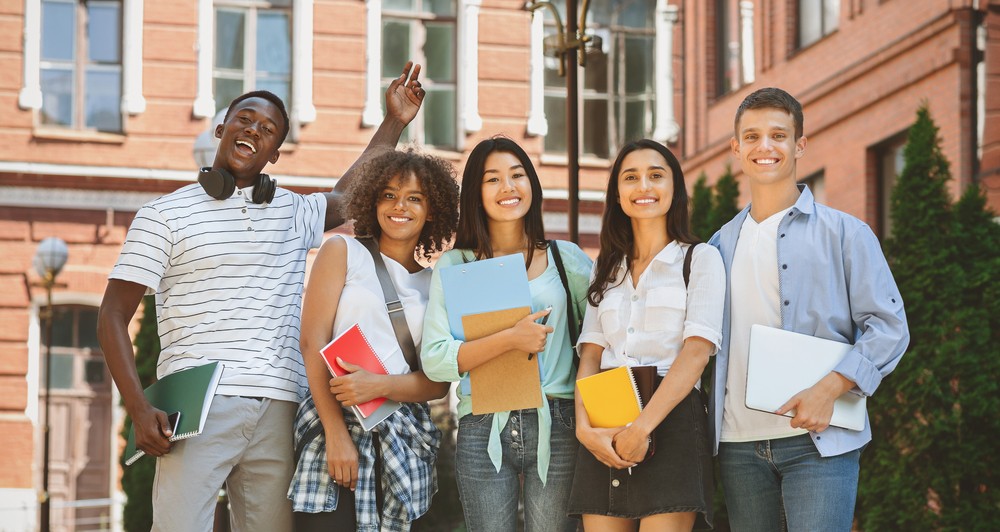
{"x": 266, "y": 95}
{"x": 771, "y": 98}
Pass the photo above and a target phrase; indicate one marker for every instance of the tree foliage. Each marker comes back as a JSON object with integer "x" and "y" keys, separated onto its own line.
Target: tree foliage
{"x": 137, "y": 479}
{"x": 931, "y": 465}
{"x": 725, "y": 203}
{"x": 711, "y": 207}
{"x": 701, "y": 208}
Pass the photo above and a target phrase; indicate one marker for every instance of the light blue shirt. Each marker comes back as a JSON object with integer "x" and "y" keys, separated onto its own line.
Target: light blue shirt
{"x": 439, "y": 352}
{"x": 835, "y": 284}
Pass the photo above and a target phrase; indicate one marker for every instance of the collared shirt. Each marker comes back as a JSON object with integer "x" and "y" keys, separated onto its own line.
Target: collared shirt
{"x": 439, "y": 352}
{"x": 835, "y": 284}
{"x": 228, "y": 277}
{"x": 646, "y": 325}
{"x": 408, "y": 444}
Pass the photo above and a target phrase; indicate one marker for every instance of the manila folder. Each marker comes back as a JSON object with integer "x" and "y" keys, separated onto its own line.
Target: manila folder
{"x": 509, "y": 381}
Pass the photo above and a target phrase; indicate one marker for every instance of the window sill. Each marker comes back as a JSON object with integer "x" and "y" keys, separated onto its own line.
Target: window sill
{"x": 585, "y": 161}
{"x": 77, "y": 135}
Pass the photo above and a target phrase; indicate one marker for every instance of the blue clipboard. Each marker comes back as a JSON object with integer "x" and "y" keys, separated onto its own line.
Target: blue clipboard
{"x": 485, "y": 285}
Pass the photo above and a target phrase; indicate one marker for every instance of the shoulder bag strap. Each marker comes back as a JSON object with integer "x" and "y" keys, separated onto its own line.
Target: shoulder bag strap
{"x": 574, "y": 325}
{"x": 687, "y": 263}
{"x": 393, "y": 305}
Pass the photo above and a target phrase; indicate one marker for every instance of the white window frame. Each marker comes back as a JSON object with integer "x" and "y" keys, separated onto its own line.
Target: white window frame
{"x": 665, "y": 127}
{"x": 466, "y": 74}
{"x": 133, "y": 103}
{"x": 303, "y": 110}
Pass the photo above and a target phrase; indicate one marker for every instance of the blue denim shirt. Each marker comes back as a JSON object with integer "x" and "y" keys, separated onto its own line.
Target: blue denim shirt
{"x": 835, "y": 284}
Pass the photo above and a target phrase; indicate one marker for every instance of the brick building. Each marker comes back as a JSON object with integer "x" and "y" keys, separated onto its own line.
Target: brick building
{"x": 861, "y": 68}
{"x": 102, "y": 102}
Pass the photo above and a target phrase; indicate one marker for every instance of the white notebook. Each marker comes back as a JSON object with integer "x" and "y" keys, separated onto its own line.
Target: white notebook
{"x": 783, "y": 363}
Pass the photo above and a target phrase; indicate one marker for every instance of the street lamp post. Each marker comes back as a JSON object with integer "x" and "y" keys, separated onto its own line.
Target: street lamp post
{"x": 571, "y": 42}
{"x": 50, "y": 257}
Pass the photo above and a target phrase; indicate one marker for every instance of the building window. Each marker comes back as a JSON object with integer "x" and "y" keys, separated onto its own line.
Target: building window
{"x": 424, "y": 31}
{"x": 253, "y": 49}
{"x": 817, "y": 19}
{"x": 888, "y": 165}
{"x": 80, "y": 68}
{"x": 617, "y": 89}
{"x": 727, "y": 47}
{"x": 817, "y": 185}
{"x": 76, "y": 354}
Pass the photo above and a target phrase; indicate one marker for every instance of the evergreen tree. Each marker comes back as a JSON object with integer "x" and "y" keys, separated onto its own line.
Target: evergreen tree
{"x": 137, "y": 479}
{"x": 701, "y": 208}
{"x": 724, "y": 205}
{"x": 974, "y": 376}
{"x": 920, "y": 472}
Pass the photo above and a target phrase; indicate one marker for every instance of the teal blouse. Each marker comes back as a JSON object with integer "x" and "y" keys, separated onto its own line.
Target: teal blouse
{"x": 439, "y": 350}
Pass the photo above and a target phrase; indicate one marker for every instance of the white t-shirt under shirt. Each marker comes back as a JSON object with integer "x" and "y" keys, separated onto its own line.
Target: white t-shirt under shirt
{"x": 362, "y": 302}
{"x": 228, "y": 277}
{"x": 646, "y": 325}
{"x": 754, "y": 298}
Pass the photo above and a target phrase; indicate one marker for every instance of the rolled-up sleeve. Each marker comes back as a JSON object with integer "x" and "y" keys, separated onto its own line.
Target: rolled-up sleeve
{"x": 706, "y": 296}
{"x": 439, "y": 349}
{"x": 877, "y": 312}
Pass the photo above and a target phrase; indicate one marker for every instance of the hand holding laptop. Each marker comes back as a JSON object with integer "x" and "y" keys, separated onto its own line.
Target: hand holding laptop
{"x": 814, "y": 406}
{"x": 788, "y": 371}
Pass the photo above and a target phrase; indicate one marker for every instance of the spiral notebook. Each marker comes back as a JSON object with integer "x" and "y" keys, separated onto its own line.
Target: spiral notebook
{"x": 353, "y": 347}
{"x": 190, "y": 392}
{"x": 612, "y": 398}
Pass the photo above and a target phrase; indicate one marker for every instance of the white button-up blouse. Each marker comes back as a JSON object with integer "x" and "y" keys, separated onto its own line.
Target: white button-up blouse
{"x": 646, "y": 325}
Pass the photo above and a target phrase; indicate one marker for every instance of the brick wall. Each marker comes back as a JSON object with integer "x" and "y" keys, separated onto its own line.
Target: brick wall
{"x": 859, "y": 86}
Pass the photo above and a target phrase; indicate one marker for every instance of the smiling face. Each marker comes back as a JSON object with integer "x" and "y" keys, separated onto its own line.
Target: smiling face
{"x": 249, "y": 139}
{"x": 402, "y": 209}
{"x": 766, "y": 146}
{"x": 645, "y": 185}
{"x": 506, "y": 190}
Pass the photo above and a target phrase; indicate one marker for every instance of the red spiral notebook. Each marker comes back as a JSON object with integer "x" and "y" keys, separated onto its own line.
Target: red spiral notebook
{"x": 352, "y": 346}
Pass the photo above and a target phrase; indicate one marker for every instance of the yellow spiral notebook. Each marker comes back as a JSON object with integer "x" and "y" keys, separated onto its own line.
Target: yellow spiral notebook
{"x": 610, "y": 397}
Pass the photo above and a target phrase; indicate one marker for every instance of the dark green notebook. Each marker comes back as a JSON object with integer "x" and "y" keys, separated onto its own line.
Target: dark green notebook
{"x": 190, "y": 392}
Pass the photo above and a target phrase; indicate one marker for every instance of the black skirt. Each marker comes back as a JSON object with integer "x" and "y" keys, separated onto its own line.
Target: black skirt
{"x": 677, "y": 478}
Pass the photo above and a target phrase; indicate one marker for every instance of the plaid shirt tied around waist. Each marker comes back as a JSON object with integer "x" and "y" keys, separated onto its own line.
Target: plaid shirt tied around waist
{"x": 409, "y": 442}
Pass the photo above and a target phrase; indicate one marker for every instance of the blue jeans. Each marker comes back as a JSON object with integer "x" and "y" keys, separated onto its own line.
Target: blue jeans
{"x": 489, "y": 498}
{"x": 785, "y": 484}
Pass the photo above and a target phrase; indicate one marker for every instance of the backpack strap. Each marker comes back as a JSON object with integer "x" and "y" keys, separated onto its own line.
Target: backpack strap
{"x": 572, "y": 322}
{"x": 687, "y": 263}
{"x": 393, "y": 306}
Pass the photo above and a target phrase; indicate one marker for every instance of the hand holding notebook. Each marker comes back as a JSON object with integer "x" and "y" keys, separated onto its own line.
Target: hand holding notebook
{"x": 190, "y": 392}
{"x": 352, "y": 346}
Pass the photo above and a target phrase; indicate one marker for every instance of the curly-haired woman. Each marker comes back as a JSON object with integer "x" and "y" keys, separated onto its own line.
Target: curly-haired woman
{"x": 347, "y": 478}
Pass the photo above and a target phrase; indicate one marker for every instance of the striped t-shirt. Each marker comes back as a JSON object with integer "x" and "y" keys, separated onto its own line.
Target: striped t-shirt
{"x": 228, "y": 278}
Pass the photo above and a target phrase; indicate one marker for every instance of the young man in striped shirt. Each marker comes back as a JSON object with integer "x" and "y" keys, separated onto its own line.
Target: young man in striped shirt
{"x": 227, "y": 270}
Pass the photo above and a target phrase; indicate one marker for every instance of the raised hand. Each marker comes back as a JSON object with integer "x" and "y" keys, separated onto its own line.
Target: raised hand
{"x": 405, "y": 95}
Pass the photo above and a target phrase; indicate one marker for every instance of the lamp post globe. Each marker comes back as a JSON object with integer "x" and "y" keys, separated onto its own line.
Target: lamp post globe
{"x": 50, "y": 257}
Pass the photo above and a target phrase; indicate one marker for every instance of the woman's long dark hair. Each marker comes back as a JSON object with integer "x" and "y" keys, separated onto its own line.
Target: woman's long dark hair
{"x": 616, "y": 227}
{"x": 473, "y": 229}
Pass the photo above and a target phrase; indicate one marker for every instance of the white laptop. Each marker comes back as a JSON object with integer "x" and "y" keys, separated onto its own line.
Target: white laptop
{"x": 783, "y": 363}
